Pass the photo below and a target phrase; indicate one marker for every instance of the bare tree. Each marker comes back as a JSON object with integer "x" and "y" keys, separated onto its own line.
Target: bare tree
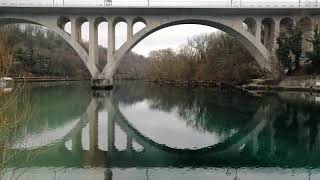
{"x": 11, "y": 115}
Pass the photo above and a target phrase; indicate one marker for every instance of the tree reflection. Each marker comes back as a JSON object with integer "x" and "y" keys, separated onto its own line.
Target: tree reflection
{"x": 287, "y": 137}
{"x": 203, "y": 109}
{"x": 290, "y": 137}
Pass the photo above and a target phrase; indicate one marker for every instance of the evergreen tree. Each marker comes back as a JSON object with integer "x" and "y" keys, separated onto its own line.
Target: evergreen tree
{"x": 283, "y": 51}
{"x": 314, "y": 55}
{"x": 295, "y": 39}
{"x": 290, "y": 48}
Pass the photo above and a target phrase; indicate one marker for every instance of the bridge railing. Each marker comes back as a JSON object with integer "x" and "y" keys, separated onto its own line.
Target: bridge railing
{"x": 172, "y": 3}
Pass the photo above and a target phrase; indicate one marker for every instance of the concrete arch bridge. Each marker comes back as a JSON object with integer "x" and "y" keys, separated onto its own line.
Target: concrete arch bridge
{"x": 256, "y": 28}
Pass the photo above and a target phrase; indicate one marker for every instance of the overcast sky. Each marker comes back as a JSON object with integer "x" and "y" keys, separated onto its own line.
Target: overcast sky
{"x": 171, "y": 37}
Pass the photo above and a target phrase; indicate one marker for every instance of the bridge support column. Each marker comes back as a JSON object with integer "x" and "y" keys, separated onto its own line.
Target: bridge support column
{"x": 307, "y": 30}
{"x": 102, "y": 84}
{"x": 275, "y": 36}
{"x": 75, "y": 30}
{"x": 258, "y": 31}
{"x": 129, "y": 30}
{"x": 104, "y": 81}
{"x": 111, "y": 42}
{"x": 93, "y": 42}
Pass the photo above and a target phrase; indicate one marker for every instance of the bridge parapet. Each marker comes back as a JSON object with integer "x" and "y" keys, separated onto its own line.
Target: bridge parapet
{"x": 174, "y": 3}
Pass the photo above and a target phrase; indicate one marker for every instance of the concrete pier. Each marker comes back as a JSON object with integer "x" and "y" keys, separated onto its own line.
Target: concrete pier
{"x": 101, "y": 84}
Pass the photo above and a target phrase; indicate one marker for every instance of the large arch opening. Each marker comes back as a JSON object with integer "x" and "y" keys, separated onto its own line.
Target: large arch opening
{"x": 40, "y": 51}
{"x": 259, "y": 53}
{"x": 247, "y": 43}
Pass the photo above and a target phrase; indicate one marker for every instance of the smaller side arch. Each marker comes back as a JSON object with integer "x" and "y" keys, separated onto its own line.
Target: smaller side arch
{"x": 100, "y": 20}
{"x": 138, "y": 23}
{"x": 101, "y": 29}
{"x": 250, "y": 24}
{"x": 79, "y": 22}
{"x": 139, "y": 19}
{"x": 286, "y": 23}
{"x": 122, "y": 31}
{"x": 268, "y": 32}
{"x": 118, "y": 20}
{"x": 62, "y": 21}
{"x": 305, "y": 25}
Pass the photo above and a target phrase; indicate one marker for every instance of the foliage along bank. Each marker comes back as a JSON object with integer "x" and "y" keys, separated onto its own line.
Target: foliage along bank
{"x": 205, "y": 59}
{"x": 291, "y": 56}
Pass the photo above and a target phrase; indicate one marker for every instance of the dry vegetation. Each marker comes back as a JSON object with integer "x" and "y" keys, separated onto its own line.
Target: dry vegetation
{"x": 14, "y": 106}
{"x": 215, "y": 57}
{"x": 6, "y": 57}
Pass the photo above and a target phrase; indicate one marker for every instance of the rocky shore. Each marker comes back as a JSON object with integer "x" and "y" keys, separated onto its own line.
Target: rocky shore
{"x": 197, "y": 84}
{"x": 294, "y": 83}
{"x": 44, "y": 79}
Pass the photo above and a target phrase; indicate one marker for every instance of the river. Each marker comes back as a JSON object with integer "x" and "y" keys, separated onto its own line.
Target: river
{"x": 142, "y": 131}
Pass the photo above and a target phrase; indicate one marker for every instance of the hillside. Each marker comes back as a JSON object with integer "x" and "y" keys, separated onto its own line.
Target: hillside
{"x": 38, "y": 53}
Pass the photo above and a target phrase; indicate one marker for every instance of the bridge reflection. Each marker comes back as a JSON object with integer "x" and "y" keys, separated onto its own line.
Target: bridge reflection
{"x": 277, "y": 134}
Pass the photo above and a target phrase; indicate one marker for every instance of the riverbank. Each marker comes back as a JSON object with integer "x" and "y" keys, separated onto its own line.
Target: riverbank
{"x": 45, "y": 79}
{"x": 196, "y": 84}
{"x": 291, "y": 83}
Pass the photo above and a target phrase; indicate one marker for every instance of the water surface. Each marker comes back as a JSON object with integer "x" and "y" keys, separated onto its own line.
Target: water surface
{"x": 146, "y": 131}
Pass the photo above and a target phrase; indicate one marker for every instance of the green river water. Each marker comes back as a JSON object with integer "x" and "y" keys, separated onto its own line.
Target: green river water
{"x": 141, "y": 131}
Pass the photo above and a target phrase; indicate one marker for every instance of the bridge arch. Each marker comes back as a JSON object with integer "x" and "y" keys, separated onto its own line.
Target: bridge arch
{"x": 286, "y": 23}
{"x": 268, "y": 29}
{"x": 305, "y": 25}
{"x": 119, "y": 19}
{"x": 250, "y": 24}
{"x": 136, "y": 22}
{"x": 256, "y": 48}
{"x": 255, "y": 126}
{"x": 80, "y": 24}
{"x": 139, "y": 19}
{"x": 55, "y": 26}
{"x": 99, "y": 20}
{"x": 62, "y": 21}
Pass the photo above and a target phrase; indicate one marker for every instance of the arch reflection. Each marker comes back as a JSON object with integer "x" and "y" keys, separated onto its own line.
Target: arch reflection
{"x": 278, "y": 133}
